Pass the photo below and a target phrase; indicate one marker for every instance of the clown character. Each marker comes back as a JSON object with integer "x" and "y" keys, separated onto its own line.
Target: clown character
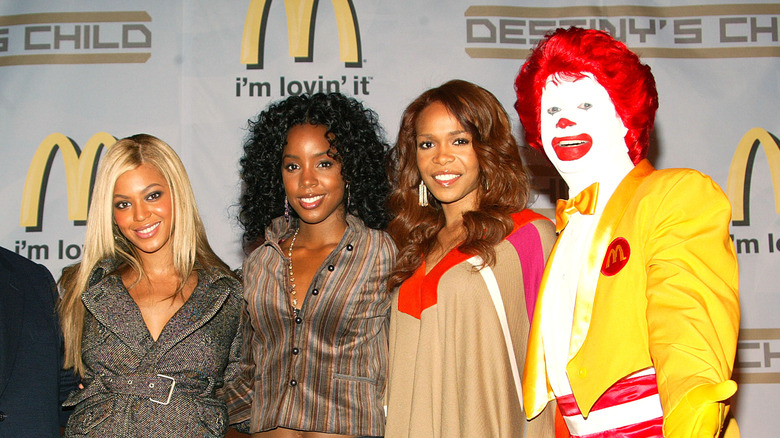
{"x": 638, "y": 312}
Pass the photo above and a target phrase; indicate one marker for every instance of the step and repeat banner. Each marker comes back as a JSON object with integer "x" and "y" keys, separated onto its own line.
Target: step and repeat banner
{"x": 77, "y": 75}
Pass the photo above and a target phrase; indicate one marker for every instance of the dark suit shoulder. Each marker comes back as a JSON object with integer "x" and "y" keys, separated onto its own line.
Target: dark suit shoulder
{"x": 25, "y": 272}
{"x": 14, "y": 262}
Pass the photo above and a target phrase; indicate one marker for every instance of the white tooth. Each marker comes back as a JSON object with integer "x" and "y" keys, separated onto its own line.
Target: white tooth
{"x": 312, "y": 199}
{"x": 445, "y": 177}
{"x": 149, "y": 229}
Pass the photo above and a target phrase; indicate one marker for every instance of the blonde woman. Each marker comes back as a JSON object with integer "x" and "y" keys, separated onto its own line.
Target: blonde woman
{"x": 150, "y": 316}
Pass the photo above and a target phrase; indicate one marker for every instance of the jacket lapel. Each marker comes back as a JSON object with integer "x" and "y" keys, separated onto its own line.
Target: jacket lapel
{"x": 11, "y": 308}
{"x": 107, "y": 297}
{"x": 536, "y": 391}
{"x": 202, "y": 305}
{"x": 613, "y": 214}
{"x": 112, "y": 306}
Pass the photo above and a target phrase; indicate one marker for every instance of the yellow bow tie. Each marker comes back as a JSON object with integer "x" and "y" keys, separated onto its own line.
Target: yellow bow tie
{"x": 584, "y": 202}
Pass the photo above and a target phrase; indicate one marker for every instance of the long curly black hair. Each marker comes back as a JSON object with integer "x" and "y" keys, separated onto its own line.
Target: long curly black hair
{"x": 359, "y": 145}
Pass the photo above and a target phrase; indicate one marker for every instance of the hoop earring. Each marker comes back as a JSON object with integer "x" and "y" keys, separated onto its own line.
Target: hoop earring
{"x": 286, "y": 210}
{"x": 422, "y": 195}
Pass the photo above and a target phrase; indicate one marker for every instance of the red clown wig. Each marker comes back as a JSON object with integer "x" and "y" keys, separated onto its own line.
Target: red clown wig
{"x": 574, "y": 52}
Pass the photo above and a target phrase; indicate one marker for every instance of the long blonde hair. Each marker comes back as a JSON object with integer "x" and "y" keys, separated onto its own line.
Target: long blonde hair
{"x": 103, "y": 240}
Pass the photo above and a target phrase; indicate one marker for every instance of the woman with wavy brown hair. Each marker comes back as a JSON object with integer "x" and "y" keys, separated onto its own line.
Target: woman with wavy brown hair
{"x": 469, "y": 266}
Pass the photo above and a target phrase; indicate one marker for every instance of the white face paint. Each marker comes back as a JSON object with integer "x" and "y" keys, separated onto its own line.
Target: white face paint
{"x": 582, "y": 134}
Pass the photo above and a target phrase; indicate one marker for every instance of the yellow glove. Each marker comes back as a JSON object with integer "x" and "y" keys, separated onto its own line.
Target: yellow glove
{"x": 701, "y": 412}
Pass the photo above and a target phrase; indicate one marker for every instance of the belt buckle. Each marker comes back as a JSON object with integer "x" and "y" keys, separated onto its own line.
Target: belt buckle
{"x": 170, "y": 392}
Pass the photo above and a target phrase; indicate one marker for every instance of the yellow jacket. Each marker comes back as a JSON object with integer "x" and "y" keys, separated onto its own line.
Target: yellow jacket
{"x": 673, "y": 305}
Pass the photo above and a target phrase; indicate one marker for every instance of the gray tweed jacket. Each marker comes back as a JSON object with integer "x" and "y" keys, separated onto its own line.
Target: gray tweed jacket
{"x": 136, "y": 387}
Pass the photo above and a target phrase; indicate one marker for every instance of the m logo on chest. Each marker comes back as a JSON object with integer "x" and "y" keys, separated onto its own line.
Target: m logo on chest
{"x": 616, "y": 258}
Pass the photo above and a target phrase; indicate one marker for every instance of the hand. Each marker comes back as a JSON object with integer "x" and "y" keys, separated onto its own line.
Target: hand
{"x": 701, "y": 412}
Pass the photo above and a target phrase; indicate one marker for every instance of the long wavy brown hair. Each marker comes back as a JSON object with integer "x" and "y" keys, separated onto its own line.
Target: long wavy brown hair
{"x": 503, "y": 182}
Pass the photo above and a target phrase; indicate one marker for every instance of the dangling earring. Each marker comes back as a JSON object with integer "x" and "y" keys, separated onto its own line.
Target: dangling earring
{"x": 286, "y": 210}
{"x": 119, "y": 241}
{"x": 422, "y": 193}
{"x": 348, "y": 196}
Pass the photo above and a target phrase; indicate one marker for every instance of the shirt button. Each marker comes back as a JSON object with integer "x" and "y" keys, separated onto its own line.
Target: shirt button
{"x": 295, "y": 350}
{"x": 293, "y": 382}
{"x": 2, "y": 415}
{"x": 331, "y": 268}
{"x": 349, "y": 247}
{"x": 315, "y": 291}
{"x": 298, "y": 320}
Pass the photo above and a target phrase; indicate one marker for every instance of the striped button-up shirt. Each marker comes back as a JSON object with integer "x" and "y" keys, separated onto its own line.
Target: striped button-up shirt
{"x": 324, "y": 368}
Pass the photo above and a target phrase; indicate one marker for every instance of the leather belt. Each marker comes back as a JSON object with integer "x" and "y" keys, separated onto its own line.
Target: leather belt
{"x": 158, "y": 388}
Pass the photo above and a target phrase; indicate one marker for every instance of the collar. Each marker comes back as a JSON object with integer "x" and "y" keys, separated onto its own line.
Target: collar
{"x": 106, "y": 298}
{"x": 280, "y": 230}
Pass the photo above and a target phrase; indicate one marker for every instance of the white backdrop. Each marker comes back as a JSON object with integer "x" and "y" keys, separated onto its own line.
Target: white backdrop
{"x": 74, "y": 74}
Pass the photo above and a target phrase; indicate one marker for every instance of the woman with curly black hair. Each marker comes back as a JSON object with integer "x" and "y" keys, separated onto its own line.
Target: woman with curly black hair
{"x": 357, "y": 143}
{"x": 313, "y": 207}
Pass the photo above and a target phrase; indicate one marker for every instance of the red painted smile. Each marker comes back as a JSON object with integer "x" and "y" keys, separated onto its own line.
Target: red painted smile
{"x": 573, "y": 147}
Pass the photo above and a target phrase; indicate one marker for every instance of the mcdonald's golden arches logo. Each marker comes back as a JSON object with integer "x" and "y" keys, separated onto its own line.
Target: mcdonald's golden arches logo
{"x": 617, "y": 256}
{"x": 80, "y": 169}
{"x": 741, "y": 172}
{"x": 301, "y": 18}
